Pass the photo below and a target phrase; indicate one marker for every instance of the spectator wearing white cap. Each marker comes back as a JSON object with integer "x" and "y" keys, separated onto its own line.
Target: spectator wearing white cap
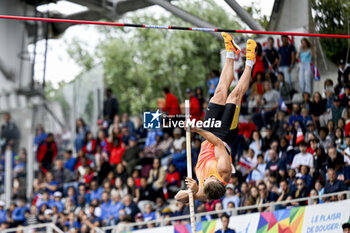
{"x": 48, "y": 215}
{"x": 178, "y": 140}
{"x": 58, "y": 201}
{"x": 230, "y": 196}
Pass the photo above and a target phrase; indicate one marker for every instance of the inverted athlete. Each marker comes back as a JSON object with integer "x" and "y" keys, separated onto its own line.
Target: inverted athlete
{"x": 214, "y": 166}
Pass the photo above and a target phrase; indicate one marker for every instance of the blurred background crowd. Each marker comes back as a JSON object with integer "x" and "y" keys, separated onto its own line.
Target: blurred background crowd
{"x": 291, "y": 144}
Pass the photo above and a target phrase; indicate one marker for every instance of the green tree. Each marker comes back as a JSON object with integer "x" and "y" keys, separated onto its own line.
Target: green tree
{"x": 332, "y": 16}
{"x": 138, "y": 63}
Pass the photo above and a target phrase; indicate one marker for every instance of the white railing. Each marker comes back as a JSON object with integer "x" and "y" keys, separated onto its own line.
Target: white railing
{"x": 44, "y": 227}
{"x": 232, "y": 211}
{"x": 51, "y": 227}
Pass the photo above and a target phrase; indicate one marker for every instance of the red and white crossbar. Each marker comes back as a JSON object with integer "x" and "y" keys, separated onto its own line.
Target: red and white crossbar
{"x": 54, "y": 20}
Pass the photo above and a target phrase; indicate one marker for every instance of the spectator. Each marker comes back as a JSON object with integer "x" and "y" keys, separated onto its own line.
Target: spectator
{"x": 140, "y": 132}
{"x": 346, "y": 227}
{"x": 199, "y": 95}
{"x": 305, "y": 55}
{"x": 117, "y": 152}
{"x": 256, "y": 143}
{"x": 212, "y": 82}
{"x": 343, "y": 173}
{"x": 149, "y": 214}
{"x": 62, "y": 175}
{"x": 317, "y": 107}
{"x": 125, "y": 134}
{"x": 325, "y": 140}
{"x": 195, "y": 107}
{"x": 146, "y": 191}
{"x": 286, "y": 58}
{"x": 257, "y": 90}
{"x": 127, "y": 122}
{"x": 2, "y": 212}
{"x": 70, "y": 161}
{"x": 283, "y": 87}
{"x": 172, "y": 181}
{"x": 338, "y": 111}
{"x": 333, "y": 185}
{"x": 303, "y": 158}
{"x": 95, "y": 190}
{"x": 296, "y": 116}
{"x": 270, "y": 56}
{"x": 266, "y": 196}
{"x": 259, "y": 64}
{"x": 343, "y": 73}
{"x": 132, "y": 189}
{"x": 130, "y": 207}
{"x": 285, "y": 194}
{"x": 230, "y": 196}
{"x": 46, "y": 153}
{"x": 81, "y": 129}
{"x": 131, "y": 156}
{"x": 275, "y": 164}
{"x": 258, "y": 173}
{"x": 119, "y": 187}
{"x": 40, "y": 136}
{"x": 105, "y": 207}
{"x": 89, "y": 147}
{"x": 225, "y": 221}
{"x": 58, "y": 201}
{"x": 334, "y": 158}
{"x": 18, "y": 214}
{"x": 305, "y": 117}
{"x": 269, "y": 104}
{"x": 171, "y": 106}
{"x": 110, "y": 106}
{"x": 156, "y": 178}
{"x": 10, "y": 134}
{"x": 300, "y": 192}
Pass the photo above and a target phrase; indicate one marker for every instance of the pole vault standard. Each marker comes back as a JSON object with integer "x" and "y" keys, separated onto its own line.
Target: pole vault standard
{"x": 169, "y": 27}
{"x": 189, "y": 166}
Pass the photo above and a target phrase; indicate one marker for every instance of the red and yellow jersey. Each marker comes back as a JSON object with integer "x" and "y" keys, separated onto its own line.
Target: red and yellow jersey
{"x": 207, "y": 164}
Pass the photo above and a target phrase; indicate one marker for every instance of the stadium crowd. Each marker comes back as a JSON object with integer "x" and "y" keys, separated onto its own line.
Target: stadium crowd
{"x": 287, "y": 148}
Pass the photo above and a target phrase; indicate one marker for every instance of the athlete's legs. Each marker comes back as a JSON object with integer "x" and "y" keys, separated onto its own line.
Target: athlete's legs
{"x": 236, "y": 95}
{"x": 227, "y": 74}
{"x": 225, "y": 81}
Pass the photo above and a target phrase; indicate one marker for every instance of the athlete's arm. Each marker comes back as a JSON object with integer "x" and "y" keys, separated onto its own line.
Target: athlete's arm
{"x": 182, "y": 195}
{"x": 224, "y": 163}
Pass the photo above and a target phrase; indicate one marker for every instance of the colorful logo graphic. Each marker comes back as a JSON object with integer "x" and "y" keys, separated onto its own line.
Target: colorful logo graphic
{"x": 282, "y": 221}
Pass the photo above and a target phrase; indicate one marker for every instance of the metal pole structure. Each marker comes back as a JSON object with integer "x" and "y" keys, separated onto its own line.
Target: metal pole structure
{"x": 243, "y": 14}
{"x": 186, "y": 16}
{"x": 189, "y": 165}
{"x": 30, "y": 163}
{"x": 8, "y": 176}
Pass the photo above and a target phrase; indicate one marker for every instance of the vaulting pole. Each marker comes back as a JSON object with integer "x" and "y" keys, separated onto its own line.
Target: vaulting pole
{"x": 189, "y": 165}
{"x": 170, "y": 27}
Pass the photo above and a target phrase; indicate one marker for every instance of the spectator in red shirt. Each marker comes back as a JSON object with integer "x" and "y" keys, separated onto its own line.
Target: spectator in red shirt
{"x": 172, "y": 181}
{"x": 116, "y": 152}
{"x": 195, "y": 107}
{"x": 89, "y": 147}
{"x": 46, "y": 153}
{"x": 171, "y": 107}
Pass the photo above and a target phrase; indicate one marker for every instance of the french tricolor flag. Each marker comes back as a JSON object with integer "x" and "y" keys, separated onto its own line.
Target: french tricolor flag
{"x": 282, "y": 106}
{"x": 245, "y": 164}
{"x": 300, "y": 136}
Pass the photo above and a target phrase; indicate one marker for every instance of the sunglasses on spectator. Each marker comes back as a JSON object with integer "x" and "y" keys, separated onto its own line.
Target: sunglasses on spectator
{"x": 300, "y": 184}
